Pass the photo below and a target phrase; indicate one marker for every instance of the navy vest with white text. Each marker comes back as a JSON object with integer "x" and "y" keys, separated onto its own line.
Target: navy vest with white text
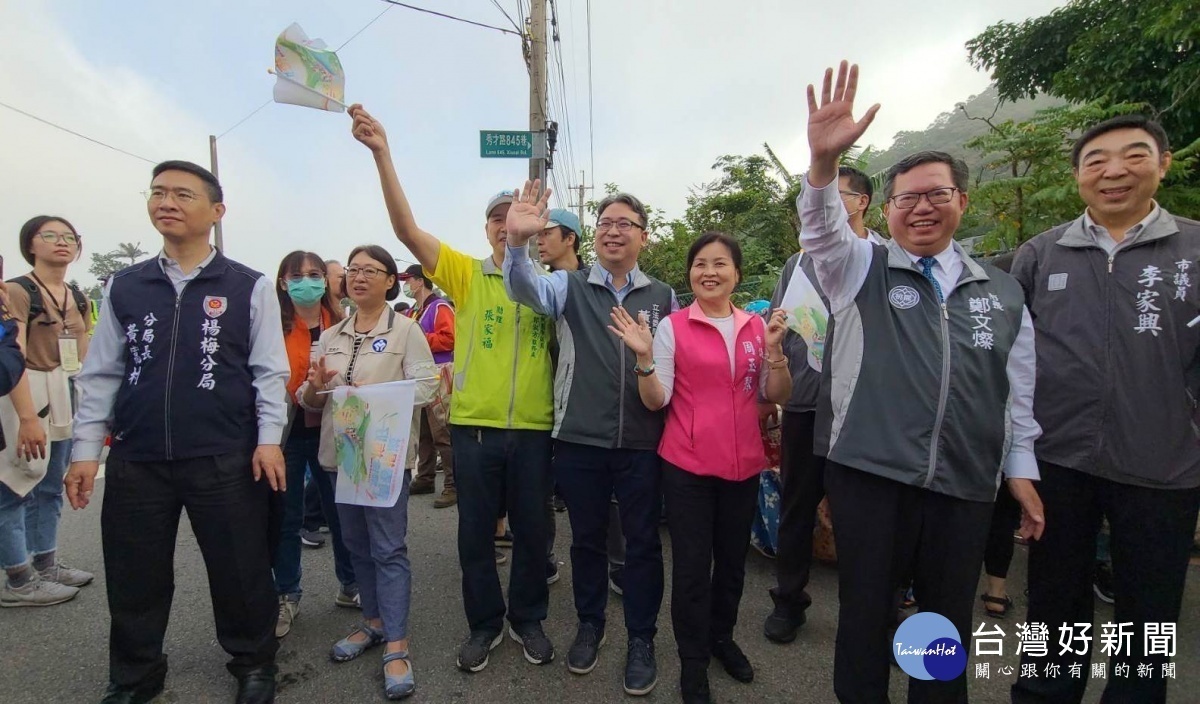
{"x": 187, "y": 389}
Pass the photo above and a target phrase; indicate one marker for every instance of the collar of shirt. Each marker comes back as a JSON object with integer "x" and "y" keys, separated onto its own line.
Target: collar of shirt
{"x": 170, "y": 267}
{"x": 873, "y": 237}
{"x": 608, "y": 278}
{"x": 1103, "y": 237}
{"x": 948, "y": 267}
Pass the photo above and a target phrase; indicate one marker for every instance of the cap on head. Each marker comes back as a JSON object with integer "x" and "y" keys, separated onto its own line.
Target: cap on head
{"x": 413, "y": 272}
{"x": 500, "y": 198}
{"x": 564, "y": 219}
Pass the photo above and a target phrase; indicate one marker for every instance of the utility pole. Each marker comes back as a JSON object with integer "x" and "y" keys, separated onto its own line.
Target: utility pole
{"x": 212, "y": 156}
{"x": 579, "y": 205}
{"x": 537, "y": 89}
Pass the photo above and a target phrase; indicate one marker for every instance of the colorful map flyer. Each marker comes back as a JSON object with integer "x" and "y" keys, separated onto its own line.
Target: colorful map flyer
{"x": 807, "y": 315}
{"x": 371, "y": 430}
{"x": 306, "y": 73}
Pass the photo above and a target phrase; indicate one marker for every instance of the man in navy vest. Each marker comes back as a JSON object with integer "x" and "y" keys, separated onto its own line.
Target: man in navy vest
{"x": 436, "y": 318}
{"x": 187, "y": 372}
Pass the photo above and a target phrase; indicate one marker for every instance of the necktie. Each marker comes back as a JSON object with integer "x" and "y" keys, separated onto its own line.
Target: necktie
{"x": 927, "y": 270}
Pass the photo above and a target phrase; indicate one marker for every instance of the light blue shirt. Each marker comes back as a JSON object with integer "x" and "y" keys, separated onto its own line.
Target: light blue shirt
{"x": 104, "y": 365}
{"x": 547, "y": 293}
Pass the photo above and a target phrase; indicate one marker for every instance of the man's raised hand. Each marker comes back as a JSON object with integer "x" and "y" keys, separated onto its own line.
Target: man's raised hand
{"x": 528, "y": 214}
{"x": 832, "y": 129}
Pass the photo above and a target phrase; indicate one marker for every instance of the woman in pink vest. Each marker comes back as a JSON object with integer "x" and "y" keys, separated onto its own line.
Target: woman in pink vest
{"x": 707, "y": 365}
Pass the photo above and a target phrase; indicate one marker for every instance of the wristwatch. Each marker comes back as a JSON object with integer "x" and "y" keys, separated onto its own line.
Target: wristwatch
{"x": 643, "y": 372}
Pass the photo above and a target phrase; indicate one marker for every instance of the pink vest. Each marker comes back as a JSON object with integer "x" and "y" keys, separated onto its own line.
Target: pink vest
{"x": 712, "y": 419}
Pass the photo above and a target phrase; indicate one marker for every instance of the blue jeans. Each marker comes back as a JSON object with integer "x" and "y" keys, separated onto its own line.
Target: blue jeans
{"x": 588, "y": 477}
{"x": 495, "y": 467}
{"x": 377, "y": 539}
{"x": 29, "y": 524}
{"x": 300, "y": 455}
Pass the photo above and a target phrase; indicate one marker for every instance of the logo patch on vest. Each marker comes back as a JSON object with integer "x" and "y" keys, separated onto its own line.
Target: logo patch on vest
{"x": 1057, "y": 282}
{"x": 215, "y": 306}
{"x": 904, "y": 297}
{"x": 379, "y": 345}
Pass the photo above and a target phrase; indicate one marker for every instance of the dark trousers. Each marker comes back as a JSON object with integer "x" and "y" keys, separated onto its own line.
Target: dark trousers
{"x": 1005, "y": 518}
{"x": 709, "y": 520}
{"x": 803, "y": 476}
{"x": 885, "y": 530}
{"x": 317, "y": 512}
{"x": 509, "y": 467}
{"x": 228, "y": 511}
{"x": 1151, "y": 535}
{"x": 588, "y": 477}
{"x": 300, "y": 454}
{"x": 435, "y": 441}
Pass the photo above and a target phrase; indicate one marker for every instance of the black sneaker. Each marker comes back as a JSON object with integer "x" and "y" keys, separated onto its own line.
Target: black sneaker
{"x": 585, "y": 651}
{"x": 641, "y": 672}
{"x": 311, "y": 539}
{"x": 782, "y": 625}
{"x": 504, "y": 541}
{"x": 538, "y": 648}
{"x": 473, "y": 653}
{"x": 559, "y": 504}
{"x": 616, "y": 581}
{"x": 733, "y": 660}
{"x": 552, "y": 575}
{"x": 1102, "y": 583}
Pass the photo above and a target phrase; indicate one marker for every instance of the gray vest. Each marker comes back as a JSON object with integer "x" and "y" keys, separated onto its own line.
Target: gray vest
{"x": 596, "y": 399}
{"x": 916, "y": 391}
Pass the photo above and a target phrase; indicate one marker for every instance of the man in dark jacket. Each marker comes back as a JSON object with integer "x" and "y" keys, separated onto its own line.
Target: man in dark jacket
{"x": 1112, "y": 293}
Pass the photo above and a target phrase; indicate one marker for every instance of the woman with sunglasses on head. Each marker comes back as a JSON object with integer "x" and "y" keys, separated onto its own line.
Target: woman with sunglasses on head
{"x": 52, "y": 330}
{"x": 374, "y": 345}
{"x": 308, "y": 308}
{"x": 707, "y": 364}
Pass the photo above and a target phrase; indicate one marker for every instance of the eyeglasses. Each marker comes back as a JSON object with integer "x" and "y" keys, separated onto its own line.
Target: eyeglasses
{"x": 623, "y": 226}
{"x": 369, "y": 272}
{"x": 182, "y": 196}
{"x": 52, "y": 237}
{"x": 311, "y": 276}
{"x": 938, "y": 196}
{"x": 850, "y": 194}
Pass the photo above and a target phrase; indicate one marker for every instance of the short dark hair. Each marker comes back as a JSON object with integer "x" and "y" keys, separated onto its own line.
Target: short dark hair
{"x": 564, "y": 231}
{"x": 215, "y": 194}
{"x": 402, "y": 306}
{"x": 385, "y": 258}
{"x": 735, "y": 249}
{"x": 958, "y": 169}
{"x": 627, "y": 199}
{"x": 859, "y": 181}
{"x": 1121, "y": 122}
{"x": 31, "y": 227}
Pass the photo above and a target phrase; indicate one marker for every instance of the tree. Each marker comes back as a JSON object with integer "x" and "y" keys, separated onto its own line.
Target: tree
{"x": 132, "y": 252}
{"x": 1115, "y": 51}
{"x": 105, "y": 265}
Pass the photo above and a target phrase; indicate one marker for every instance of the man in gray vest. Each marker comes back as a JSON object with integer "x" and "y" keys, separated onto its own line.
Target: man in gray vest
{"x": 927, "y": 392}
{"x": 606, "y": 439}
{"x": 801, "y": 470}
{"x": 1112, "y": 294}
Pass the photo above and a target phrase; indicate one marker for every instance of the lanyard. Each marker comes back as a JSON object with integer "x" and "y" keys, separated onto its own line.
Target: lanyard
{"x": 60, "y": 307}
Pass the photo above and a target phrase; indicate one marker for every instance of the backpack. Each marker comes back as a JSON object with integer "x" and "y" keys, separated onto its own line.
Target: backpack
{"x": 37, "y": 307}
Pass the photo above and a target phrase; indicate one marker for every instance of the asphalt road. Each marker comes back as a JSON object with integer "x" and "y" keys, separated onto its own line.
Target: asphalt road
{"x": 59, "y": 654}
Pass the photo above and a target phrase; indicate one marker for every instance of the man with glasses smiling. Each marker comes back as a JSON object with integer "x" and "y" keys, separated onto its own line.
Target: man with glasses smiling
{"x": 606, "y": 439}
{"x": 188, "y": 372}
{"x": 927, "y": 395}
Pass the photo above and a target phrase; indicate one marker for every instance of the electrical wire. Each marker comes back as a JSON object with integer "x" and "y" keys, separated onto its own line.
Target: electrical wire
{"x": 77, "y": 134}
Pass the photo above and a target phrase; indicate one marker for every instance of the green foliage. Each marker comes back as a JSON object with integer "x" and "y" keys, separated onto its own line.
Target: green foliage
{"x": 1111, "y": 50}
{"x": 108, "y": 263}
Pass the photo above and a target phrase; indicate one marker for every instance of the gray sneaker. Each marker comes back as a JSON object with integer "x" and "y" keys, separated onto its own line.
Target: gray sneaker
{"x": 67, "y": 576}
{"x": 348, "y": 599}
{"x": 289, "y": 609}
{"x": 37, "y": 592}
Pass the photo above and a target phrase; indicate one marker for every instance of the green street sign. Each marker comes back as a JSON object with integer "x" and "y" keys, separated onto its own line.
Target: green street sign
{"x": 495, "y": 144}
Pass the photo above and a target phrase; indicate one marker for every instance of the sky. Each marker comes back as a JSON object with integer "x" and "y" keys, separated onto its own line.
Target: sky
{"x": 674, "y": 85}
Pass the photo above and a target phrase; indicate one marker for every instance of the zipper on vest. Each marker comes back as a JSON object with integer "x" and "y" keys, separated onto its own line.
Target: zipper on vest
{"x": 512, "y": 394}
{"x": 171, "y": 373}
{"x": 1111, "y": 257}
{"x": 943, "y": 395}
{"x": 621, "y": 404}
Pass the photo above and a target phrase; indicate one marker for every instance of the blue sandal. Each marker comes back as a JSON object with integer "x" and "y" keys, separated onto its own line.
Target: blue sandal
{"x": 401, "y": 686}
{"x": 345, "y": 649}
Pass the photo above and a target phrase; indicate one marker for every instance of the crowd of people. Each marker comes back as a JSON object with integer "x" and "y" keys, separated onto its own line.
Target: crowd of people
{"x": 948, "y": 403}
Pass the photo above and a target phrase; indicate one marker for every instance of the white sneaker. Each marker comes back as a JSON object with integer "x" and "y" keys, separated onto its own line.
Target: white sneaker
{"x": 66, "y": 576}
{"x": 37, "y": 592}
{"x": 288, "y": 611}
